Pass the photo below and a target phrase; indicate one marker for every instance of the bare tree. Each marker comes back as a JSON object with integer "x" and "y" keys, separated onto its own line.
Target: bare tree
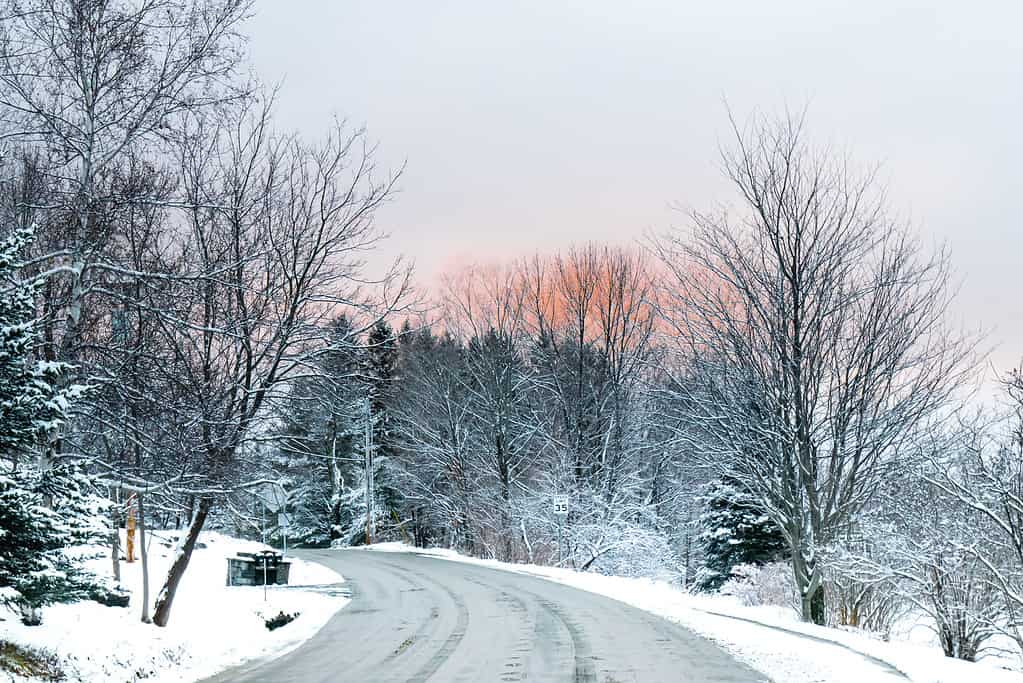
{"x": 433, "y": 423}
{"x": 811, "y": 332}
{"x": 987, "y": 479}
{"x": 89, "y": 82}
{"x": 271, "y": 248}
{"x": 589, "y": 318}
{"x": 484, "y": 308}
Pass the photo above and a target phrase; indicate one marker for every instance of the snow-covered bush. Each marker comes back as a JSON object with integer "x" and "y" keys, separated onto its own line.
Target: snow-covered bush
{"x": 22, "y": 662}
{"x": 869, "y": 603}
{"x": 281, "y": 619}
{"x": 920, "y": 549}
{"x": 769, "y": 584}
{"x": 982, "y": 478}
{"x": 639, "y": 551}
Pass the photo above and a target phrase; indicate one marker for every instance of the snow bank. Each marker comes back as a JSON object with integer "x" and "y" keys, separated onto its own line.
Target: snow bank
{"x": 770, "y": 639}
{"x": 212, "y": 626}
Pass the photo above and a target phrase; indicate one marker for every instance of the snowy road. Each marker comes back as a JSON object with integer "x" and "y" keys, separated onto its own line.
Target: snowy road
{"x": 415, "y": 618}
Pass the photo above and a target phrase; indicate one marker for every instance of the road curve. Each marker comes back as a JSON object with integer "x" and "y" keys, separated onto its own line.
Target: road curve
{"x": 417, "y": 618}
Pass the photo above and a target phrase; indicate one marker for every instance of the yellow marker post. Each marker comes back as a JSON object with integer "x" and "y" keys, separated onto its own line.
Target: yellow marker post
{"x": 130, "y": 526}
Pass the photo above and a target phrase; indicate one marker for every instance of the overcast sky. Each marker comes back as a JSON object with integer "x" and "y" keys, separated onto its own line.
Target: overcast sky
{"x": 532, "y": 125}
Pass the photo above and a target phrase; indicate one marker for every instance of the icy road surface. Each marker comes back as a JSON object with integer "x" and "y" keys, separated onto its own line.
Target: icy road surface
{"x": 415, "y": 618}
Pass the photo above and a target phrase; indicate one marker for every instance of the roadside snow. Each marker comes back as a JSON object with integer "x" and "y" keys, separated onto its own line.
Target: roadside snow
{"x": 212, "y": 626}
{"x": 769, "y": 639}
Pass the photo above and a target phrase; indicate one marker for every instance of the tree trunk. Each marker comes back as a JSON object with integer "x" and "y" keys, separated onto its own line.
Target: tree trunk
{"x": 161, "y": 614}
{"x": 809, "y": 585}
{"x": 818, "y": 606}
{"x": 191, "y": 511}
{"x": 145, "y": 561}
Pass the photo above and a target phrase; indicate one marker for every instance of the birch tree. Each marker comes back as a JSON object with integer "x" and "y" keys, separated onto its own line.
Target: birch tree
{"x": 88, "y": 82}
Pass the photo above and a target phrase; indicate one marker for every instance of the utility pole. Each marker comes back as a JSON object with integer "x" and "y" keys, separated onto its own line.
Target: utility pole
{"x": 262, "y": 520}
{"x": 370, "y": 530}
{"x": 284, "y": 533}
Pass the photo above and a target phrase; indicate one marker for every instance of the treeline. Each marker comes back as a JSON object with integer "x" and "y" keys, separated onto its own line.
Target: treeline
{"x": 537, "y": 383}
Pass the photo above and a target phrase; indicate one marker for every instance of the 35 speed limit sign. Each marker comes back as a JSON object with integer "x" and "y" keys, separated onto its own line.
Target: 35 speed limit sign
{"x": 560, "y": 504}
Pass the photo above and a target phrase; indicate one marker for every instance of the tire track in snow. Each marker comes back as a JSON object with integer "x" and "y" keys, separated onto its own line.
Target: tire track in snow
{"x": 452, "y": 641}
{"x": 514, "y": 668}
{"x": 583, "y": 670}
{"x": 582, "y": 654}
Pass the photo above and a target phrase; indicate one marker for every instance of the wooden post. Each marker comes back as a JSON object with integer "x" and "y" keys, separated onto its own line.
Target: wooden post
{"x": 130, "y": 526}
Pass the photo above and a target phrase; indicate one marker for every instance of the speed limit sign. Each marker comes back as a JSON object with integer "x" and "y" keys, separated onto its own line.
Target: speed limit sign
{"x": 560, "y": 504}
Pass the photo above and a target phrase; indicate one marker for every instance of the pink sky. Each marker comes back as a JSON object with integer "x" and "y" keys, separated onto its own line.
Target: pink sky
{"x": 531, "y": 125}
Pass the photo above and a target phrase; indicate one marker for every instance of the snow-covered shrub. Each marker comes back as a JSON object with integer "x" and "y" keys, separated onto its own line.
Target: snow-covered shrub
{"x": 921, "y": 549}
{"x": 619, "y": 538}
{"x": 769, "y": 584}
{"x": 639, "y": 551}
{"x": 860, "y": 594}
{"x": 282, "y": 619}
{"x": 110, "y": 596}
{"x": 23, "y": 662}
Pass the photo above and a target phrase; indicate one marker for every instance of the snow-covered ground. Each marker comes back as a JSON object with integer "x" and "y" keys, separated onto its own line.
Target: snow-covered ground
{"x": 212, "y": 626}
{"x": 770, "y": 639}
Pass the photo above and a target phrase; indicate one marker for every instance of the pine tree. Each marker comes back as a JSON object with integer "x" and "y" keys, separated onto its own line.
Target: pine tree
{"x": 34, "y": 568}
{"x": 31, "y": 405}
{"x": 381, "y": 376}
{"x": 321, "y": 437}
{"x": 734, "y": 532}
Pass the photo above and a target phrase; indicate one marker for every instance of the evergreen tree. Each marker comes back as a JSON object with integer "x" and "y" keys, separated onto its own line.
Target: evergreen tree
{"x": 734, "y": 532}
{"x": 34, "y": 567}
{"x": 31, "y": 405}
{"x": 321, "y": 440}
{"x": 381, "y": 376}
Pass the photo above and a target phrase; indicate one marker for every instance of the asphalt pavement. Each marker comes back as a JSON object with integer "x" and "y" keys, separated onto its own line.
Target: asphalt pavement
{"x": 416, "y": 618}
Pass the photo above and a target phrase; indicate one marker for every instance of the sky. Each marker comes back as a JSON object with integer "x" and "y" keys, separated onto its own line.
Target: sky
{"x": 531, "y": 125}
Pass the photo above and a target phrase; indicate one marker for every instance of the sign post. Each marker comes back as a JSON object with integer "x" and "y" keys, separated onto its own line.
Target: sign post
{"x": 284, "y": 524}
{"x": 559, "y": 505}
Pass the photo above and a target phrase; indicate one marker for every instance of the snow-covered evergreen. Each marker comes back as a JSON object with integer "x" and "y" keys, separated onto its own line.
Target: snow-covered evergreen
{"x": 734, "y": 533}
{"x": 43, "y": 510}
{"x": 33, "y": 404}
